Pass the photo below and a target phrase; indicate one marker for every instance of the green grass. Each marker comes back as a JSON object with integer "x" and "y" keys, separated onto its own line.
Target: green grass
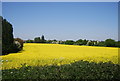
{"x": 76, "y": 71}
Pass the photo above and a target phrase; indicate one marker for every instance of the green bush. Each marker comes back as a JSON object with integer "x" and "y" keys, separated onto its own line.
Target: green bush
{"x": 19, "y": 43}
{"x": 81, "y": 70}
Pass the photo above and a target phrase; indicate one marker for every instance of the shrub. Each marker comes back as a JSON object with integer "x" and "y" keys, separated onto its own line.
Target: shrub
{"x": 19, "y": 42}
{"x": 78, "y": 71}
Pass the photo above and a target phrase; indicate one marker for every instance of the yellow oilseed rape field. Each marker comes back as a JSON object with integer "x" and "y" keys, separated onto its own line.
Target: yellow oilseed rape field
{"x": 56, "y": 54}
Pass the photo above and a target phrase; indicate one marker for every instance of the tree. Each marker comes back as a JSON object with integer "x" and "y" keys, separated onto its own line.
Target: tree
{"x": 8, "y": 44}
{"x": 101, "y": 43}
{"x": 117, "y": 44}
{"x": 85, "y": 42}
{"x": 110, "y": 43}
{"x": 7, "y": 37}
{"x": 37, "y": 40}
{"x": 79, "y": 42}
{"x": 69, "y": 42}
{"x": 42, "y": 39}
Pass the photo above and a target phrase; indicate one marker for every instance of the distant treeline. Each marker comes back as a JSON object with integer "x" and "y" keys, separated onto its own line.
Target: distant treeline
{"x": 106, "y": 43}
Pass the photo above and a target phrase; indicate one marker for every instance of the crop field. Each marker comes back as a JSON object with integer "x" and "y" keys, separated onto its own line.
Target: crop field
{"x": 34, "y": 54}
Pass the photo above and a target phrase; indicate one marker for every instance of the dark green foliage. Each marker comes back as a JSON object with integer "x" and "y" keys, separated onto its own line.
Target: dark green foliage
{"x": 79, "y": 42}
{"x": 110, "y": 43}
{"x": 106, "y": 43}
{"x": 37, "y": 40}
{"x": 102, "y": 43}
{"x": 7, "y": 32}
{"x": 8, "y": 44}
{"x": 76, "y": 71}
{"x": 85, "y": 42}
{"x": 117, "y": 44}
{"x": 29, "y": 41}
{"x": 42, "y": 39}
{"x": 7, "y": 37}
{"x": 69, "y": 42}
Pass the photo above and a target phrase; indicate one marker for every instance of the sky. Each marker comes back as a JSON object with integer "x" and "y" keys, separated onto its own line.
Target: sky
{"x": 0, "y": 8}
{"x": 60, "y": 0}
{"x": 63, "y": 20}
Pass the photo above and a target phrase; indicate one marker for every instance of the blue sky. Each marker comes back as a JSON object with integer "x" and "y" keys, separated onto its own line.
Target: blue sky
{"x": 63, "y": 21}
{"x": 60, "y": 0}
{"x": 0, "y": 8}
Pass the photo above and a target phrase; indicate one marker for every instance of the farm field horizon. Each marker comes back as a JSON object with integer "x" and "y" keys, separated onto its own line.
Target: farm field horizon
{"x": 34, "y": 54}
{"x": 60, "y": 40}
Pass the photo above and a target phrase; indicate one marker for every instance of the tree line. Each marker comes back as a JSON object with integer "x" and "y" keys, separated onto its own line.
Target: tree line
{"x": 106, "y": 43}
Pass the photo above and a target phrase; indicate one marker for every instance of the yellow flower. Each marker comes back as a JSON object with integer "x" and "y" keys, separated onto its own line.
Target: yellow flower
{"x": 46, "y": 54}
{"x": 58, "y": 64}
